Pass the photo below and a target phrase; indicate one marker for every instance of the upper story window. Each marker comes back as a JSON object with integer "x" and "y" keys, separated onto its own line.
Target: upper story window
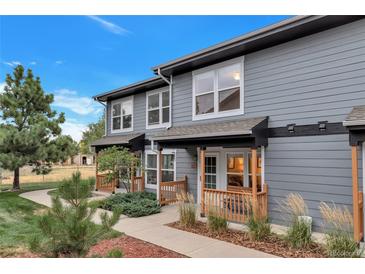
{"x": 122, "y": 115}
{"x": 218, "y": 90}
{"x": 158, "y": 109}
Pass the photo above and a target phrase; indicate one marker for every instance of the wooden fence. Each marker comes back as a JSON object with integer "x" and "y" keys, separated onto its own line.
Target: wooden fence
{"x": 168, "y": 191}
{"x": 102, "y": 183}
{"x": 137, "y": 184}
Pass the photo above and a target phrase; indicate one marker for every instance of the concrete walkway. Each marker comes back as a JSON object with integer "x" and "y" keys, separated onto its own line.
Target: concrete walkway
{"x": 152, "y": 229}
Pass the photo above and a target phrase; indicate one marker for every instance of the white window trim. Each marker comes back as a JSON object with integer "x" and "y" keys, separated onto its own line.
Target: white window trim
{"x": 119, "y": 101}
{"x": 165, "y": 151}
{"x": 216, "y": 113}
{"x": 160, "y": 124}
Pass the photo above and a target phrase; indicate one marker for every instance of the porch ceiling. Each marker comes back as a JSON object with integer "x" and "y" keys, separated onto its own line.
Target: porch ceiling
{"x": 252, "y": 130}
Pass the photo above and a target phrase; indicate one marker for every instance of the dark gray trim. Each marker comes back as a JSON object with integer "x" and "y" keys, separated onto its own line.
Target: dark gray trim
{"x": 141, "y": 86}
{"x": 308, "y": 130}
{"x": 134, "y": 144}
{"x": 284, "y": 31}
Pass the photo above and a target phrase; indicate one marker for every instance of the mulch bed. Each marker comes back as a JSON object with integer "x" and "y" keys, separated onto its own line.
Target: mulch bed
{"x": 272, "y": 245}
{"x": 133, "y": 248}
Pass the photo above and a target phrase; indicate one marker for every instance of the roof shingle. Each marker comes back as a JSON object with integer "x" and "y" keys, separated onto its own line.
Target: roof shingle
{"x": 230, "y": 128}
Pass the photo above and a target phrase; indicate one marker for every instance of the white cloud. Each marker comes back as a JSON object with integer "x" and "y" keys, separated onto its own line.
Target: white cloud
{"x": 59, "y": 62}
{"x": 79, "y": 104}
{"x": 2, "y": 87}
{"x": 114, "y": 28}
{"x": 73, "y": 129}
{"x": 33, "y": 63}
{"x": 12, "y": 63}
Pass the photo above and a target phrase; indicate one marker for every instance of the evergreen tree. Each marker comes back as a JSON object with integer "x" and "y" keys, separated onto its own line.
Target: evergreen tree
{"x": 68, "y": 229}
{"x": 31, "y": 133}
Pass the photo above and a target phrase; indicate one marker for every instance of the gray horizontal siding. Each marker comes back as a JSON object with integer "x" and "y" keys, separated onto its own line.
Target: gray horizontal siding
{"x": 316, "y": 167}
{"x": 318, "y": 77}
{"x": 186, "y": 163}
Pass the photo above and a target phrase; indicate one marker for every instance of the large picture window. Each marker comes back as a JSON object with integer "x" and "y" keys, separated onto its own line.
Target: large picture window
{"x": 218, "y": 91}
{"x": 122, "y": 115}
{"x": 158, "y": 109}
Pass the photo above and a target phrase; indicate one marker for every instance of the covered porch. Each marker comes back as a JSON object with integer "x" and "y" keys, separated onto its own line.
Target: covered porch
{"x": 135, "y": 143}
{"x": 229, "y": 166}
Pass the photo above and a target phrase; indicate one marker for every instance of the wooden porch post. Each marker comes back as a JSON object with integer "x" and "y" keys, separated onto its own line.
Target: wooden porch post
{"x": 355, "y": 193}
{"x": 96, "y": 171}
{"x": 202, "y": 181}
{"x": 254, "y": 180}
{"x": 160, "y": 159}
{"x": 132, "y": 178}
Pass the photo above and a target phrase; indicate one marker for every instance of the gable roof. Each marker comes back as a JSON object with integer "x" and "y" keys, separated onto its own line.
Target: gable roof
{"x": 141, "y": 86}
{"x": 281, "y": 32}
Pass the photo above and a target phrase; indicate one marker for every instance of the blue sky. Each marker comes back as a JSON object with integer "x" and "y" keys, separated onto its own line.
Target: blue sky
{"x": 77, "y": 57}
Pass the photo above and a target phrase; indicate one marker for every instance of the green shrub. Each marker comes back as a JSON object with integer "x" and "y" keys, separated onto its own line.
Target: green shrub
{"x": 187, "y": 209}
{"x": 115, "y": 253}
{"x": 338, "y": 226}
{"x": 259, "y": 228}
{"x": 134, "y": 204}
{"x": 216, "y": 223}
{"x": 299, "y": 234}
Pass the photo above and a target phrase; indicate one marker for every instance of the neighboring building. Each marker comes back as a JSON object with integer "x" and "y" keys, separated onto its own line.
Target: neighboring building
{"x": 81, "y": 160}
{"x": 280, "y": 94}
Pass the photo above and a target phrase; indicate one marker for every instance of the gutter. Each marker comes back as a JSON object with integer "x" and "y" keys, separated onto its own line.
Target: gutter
{"x": 169, "y": 82}
{"x": 105, "y": 115}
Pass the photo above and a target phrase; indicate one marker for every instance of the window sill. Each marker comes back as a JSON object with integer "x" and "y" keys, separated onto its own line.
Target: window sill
{"x": 217, "y": 115}
{"x": 165, "y": 125}
{"x": 121, "y": 130}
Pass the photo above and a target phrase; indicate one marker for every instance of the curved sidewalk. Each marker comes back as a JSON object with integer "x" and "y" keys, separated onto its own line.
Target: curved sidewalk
{"x": 152, "y": 229}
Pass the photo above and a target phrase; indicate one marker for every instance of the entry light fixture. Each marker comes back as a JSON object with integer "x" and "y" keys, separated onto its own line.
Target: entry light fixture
{"x": 291, "y": 128}
{"x": 322, "y": 125}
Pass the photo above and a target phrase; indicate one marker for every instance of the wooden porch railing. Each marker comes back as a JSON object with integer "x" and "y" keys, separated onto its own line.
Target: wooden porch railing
{"x": 137, "y": 184}
{"x": 103, "y": 185}
{"x": 235, "y": 206}
{"x": 168, "y": 191}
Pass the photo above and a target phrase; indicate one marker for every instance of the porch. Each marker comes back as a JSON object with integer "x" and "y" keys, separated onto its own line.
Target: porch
{"x": 229, "y": 167}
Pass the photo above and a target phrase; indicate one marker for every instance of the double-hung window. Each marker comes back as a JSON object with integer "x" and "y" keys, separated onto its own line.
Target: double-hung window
{"x": 122, "y": 115}
{"x": 218, "y": 90}
{"x": 168, "y": 167}
{"x": 158, "y": 109}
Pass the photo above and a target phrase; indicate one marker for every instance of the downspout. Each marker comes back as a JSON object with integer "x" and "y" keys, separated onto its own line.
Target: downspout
{"x": 169, "y": 82}
{"x": 105, "y": 114}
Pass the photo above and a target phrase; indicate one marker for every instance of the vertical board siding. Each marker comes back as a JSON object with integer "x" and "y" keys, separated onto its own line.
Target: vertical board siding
{"x": 316, "y": 167}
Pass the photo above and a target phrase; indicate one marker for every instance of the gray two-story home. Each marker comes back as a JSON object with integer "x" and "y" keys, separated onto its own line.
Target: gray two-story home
{"x": 272, "y": 112}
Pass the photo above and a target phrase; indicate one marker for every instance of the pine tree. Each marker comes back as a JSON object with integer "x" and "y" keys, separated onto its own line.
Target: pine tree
{"x": 31, "y": 133}
{"x": 68, "y": 229}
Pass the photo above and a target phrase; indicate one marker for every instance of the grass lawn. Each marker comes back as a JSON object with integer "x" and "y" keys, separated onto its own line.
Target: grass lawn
{"x": 18, "y": 218}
